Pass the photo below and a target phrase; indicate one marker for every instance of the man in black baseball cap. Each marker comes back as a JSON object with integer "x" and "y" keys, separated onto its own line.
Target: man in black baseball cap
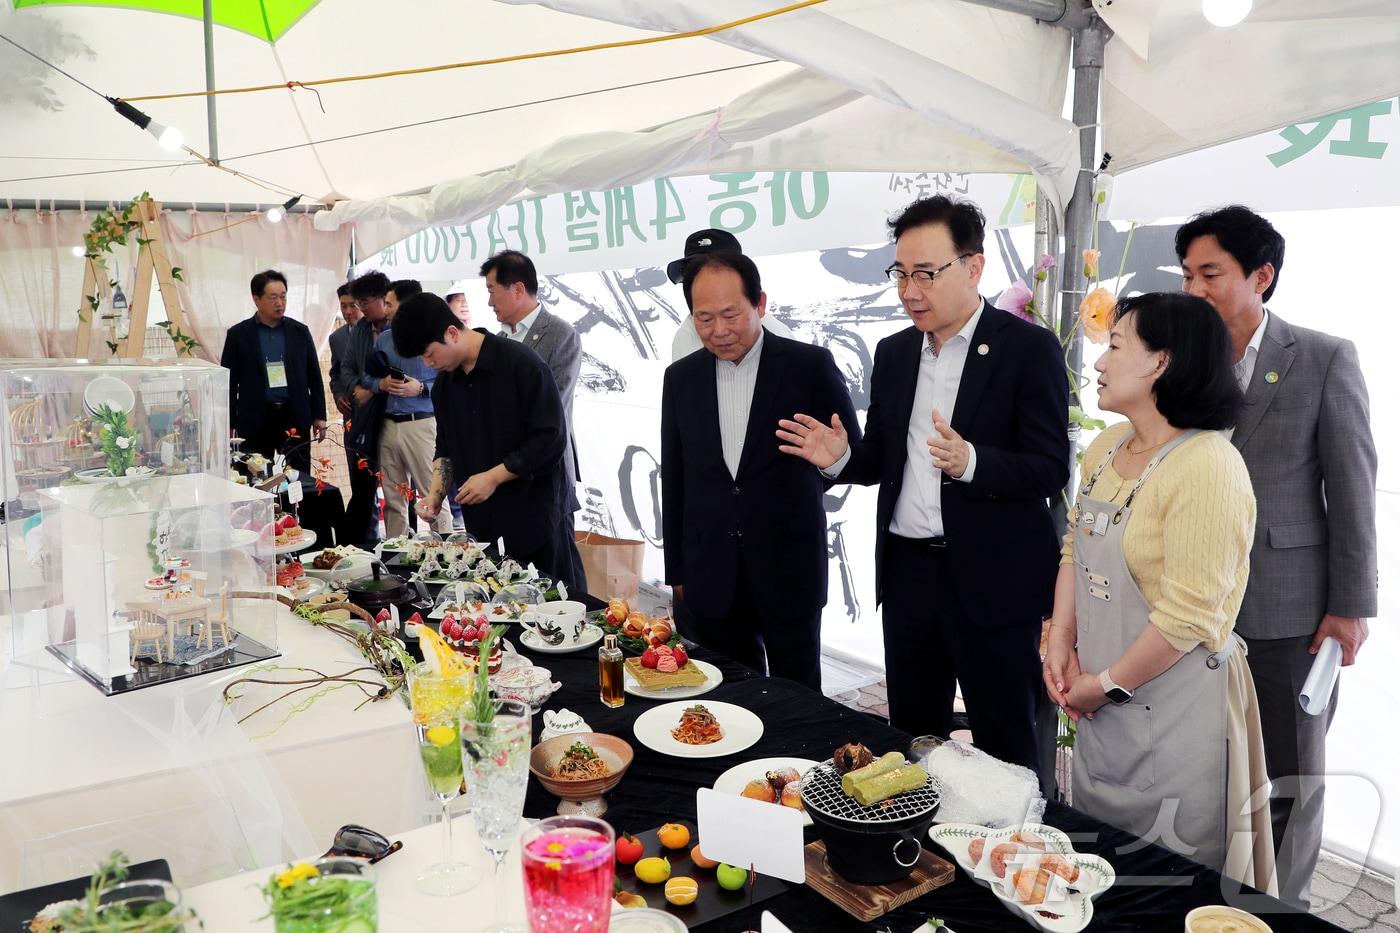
{"x": 702, "y": 241}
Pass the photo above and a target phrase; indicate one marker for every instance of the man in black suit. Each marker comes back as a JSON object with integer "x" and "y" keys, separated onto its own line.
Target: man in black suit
{"x": 744, "y": 528}
{"x": 966, "y": 553}
{"x": 500, "y": 435}
{"x": 274, "y": 383}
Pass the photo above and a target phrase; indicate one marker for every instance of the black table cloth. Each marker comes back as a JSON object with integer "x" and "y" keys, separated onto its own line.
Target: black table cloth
{"x": 1155, "y": 889}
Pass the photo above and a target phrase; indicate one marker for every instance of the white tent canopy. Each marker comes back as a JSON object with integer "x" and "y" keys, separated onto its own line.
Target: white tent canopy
{"x": 845, "y": 85}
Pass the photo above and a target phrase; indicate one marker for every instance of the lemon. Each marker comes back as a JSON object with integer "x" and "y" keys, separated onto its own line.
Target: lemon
{"x": 682, "y": 891}
{"x": 442, "y": 735}
{"x": 653, "y": 870}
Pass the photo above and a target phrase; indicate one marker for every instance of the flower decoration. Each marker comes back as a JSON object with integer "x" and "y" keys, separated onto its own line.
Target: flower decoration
{"x": 1096, "y": 314}
{"x": 1091, "y": 263}
{"x": 297, "y": 872}
{"x": 1015, "y": 299}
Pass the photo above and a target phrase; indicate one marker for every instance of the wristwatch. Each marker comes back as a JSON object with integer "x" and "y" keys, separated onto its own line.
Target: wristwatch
{"x": 1115, "y": 693}
{"x": 424, "y": 392}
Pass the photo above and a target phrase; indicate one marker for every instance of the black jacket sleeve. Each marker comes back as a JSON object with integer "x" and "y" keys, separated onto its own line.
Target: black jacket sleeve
{"x": 543, "y": 415}
{"x": 672, "y": 481}
{"x": 313, "y": 378}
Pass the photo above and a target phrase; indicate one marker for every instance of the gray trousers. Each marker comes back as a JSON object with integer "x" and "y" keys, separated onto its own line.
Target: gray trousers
{"x": 1295, "y": 750}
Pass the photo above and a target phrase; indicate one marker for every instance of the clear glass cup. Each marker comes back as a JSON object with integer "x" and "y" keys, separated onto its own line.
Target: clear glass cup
{"x": 157, "y": 903}
{"x": 568, "y": 867}
{"x": 437, "y": 703}
{"x": 496, "y": 756}
{"x": 341, "y": 898}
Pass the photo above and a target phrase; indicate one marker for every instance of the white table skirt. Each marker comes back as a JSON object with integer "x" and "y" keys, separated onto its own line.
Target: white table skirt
{"x": 166, "y": 772}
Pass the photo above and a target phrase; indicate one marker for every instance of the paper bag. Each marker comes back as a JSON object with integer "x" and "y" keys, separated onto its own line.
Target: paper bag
{"x": 612, "y": 566}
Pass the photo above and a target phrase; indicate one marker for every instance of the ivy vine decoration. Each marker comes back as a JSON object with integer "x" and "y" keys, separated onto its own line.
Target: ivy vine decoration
{"x": 116, "y": 436}
{"x": 112, "y": 228}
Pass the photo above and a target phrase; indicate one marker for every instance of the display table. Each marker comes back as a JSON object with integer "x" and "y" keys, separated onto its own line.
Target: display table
{"x": 167, "y": 772}
{"x": 237, "y": 903}
{"x": 96, "y": 759}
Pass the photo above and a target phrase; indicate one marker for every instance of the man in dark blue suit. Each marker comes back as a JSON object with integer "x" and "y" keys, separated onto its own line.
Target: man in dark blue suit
{"x": 966, "y": 435}
{"x": 745, "y": 531}
{"x": 274, "y": 382}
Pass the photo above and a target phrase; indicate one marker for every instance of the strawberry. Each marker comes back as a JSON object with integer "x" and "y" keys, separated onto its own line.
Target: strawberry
{"x": 289, "y": 522}
{"x": 415, "y": 619}
{"x": 451, "y": 629}
{"x": 679, "y": 653}
{"x": 649, "y": 658}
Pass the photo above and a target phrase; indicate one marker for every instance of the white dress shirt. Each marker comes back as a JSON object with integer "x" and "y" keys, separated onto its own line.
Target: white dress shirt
{"x": 522, "y": 328}
{"x": 687, "y": 341}
{"x": 1244, "y": 369}
{"x": 918, "y": 513}
{"x": 734, "y": 385}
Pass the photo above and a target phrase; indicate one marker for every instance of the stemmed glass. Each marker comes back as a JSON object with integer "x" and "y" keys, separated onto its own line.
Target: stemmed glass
{"x": 497, "y": 756}
{"x": 438, "y": 702}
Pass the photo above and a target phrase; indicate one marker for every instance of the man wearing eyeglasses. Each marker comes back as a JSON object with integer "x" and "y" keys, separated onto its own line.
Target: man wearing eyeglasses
{"x": 966, "y": 435}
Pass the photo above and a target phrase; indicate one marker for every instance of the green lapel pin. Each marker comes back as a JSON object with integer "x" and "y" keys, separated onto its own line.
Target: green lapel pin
{"x": 1271, "y": 377}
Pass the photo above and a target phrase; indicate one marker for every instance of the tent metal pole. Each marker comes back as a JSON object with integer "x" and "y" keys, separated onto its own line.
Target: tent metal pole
{"x": 209, "y": 105}
{"x": 1088, "y": 70}
{"x": 1067, "y": 14}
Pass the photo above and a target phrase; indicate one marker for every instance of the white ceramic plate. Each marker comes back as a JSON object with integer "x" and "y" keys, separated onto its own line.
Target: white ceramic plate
{"x": 713, "y": 678}
{"x": 307, "y": 539}
{"x": 736, "y": 778}
{"x": 741, "y": 730}
{"x": 1069, "y": 907}
{"x": 592, "y": 634}
{"x": 348, "y": 568}
{"x": 311, "y": 587}
{"x": 108, "y": 391}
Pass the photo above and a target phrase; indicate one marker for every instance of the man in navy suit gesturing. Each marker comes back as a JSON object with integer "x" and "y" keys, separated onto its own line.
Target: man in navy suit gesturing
{"x": 966, "y": 435}
{"x": 745, "y": 529}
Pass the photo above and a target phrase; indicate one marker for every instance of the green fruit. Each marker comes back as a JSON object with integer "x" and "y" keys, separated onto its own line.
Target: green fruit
{"x": 731, "y": 878}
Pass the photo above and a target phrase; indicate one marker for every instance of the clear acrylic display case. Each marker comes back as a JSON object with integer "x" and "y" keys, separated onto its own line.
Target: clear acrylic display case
{"x": 174, "y": 417}
{"x": 115, "y": 474}
{"x": 145, "y": 580}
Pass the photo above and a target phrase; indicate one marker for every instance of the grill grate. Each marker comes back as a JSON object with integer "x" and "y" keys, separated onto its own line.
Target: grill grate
{"x": 821, "y": 791}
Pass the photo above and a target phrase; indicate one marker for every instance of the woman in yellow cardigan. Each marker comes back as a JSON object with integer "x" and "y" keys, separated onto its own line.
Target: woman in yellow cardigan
{"x": 1141, "y": 652}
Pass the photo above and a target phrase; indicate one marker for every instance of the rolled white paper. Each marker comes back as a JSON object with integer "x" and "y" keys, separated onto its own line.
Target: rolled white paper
{"x": 1317, "y": 689}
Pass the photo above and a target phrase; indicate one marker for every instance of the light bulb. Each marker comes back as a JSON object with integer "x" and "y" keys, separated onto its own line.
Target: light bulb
{"x": 169, "y": 137}
{"x": 1224, "y": 13}
{"x": 274, "y": 215}
{"x": 79, "y": 251}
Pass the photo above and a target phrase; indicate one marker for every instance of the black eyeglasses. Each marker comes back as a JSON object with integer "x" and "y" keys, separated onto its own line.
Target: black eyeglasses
{"x": 360, "y": 842}
{"x": 921, "y": 277}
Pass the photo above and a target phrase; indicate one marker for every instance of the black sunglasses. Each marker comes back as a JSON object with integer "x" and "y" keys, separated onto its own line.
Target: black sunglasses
{"x": 359, "y": 842}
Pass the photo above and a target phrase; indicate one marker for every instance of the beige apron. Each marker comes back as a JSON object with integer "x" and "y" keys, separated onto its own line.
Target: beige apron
{"x": 1155, "y": 766}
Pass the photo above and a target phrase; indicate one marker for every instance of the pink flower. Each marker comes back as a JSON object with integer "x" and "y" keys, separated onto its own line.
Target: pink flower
{"x": 1047, "y": 262}
{"x": 1015, "y": 299}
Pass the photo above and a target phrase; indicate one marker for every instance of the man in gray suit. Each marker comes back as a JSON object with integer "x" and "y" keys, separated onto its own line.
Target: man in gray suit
{"x": 340, "y": 347}
{"x": 1305, "y": 435}
{"x": 511, "y": 288}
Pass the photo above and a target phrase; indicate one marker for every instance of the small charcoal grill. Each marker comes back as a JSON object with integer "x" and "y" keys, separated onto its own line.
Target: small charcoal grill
{"x": 868, "y": 845}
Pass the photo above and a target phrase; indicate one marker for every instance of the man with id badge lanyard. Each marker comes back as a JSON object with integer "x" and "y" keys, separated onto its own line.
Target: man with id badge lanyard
{"x": 275, "y": 383}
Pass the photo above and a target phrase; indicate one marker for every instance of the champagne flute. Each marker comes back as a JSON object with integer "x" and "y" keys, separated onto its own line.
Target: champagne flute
{"x": 437, "y": 702}
{"x": 496, "y": 755}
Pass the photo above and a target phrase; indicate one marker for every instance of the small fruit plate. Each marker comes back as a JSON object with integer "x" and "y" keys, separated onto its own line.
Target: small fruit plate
{"x": 740, "y": 776}
{"x": 1032, "y": 869}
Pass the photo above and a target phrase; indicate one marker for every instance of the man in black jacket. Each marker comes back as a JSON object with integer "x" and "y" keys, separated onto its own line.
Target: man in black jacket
{"x": 501, "y": 435}
{"x": 744, "y": 527}
{"x": 274, "y": 383}
{"x": 966, "y": 435}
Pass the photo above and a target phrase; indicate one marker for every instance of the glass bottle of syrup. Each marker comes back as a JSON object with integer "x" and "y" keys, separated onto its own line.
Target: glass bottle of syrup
{"x": 610, "y": 673}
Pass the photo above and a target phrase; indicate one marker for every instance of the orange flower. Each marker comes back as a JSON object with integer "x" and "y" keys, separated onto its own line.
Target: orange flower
{"x": 291, "y": 432}
{"x": 1091, "y": 264}
{"x": 320, "y": 485}
{"x": 1096, "y": 314}
{"x": 362, "y": 463}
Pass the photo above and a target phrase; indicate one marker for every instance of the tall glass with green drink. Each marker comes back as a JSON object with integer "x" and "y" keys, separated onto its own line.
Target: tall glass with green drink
{"x": 437, "y": 701}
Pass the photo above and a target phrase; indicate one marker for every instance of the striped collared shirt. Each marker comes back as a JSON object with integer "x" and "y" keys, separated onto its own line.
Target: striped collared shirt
{"x": 734, "y": 385}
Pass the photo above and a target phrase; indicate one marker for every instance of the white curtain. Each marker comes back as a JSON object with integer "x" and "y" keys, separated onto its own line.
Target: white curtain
{"x": 218, "y": 255}
{"x": 41, "y": 281}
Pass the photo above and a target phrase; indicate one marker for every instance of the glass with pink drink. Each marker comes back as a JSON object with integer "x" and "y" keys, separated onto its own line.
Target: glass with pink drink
{"x": 568, "y": 864}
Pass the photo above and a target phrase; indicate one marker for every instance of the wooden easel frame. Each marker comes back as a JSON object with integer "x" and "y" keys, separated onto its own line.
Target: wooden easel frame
{"x": 151, "y": 260}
